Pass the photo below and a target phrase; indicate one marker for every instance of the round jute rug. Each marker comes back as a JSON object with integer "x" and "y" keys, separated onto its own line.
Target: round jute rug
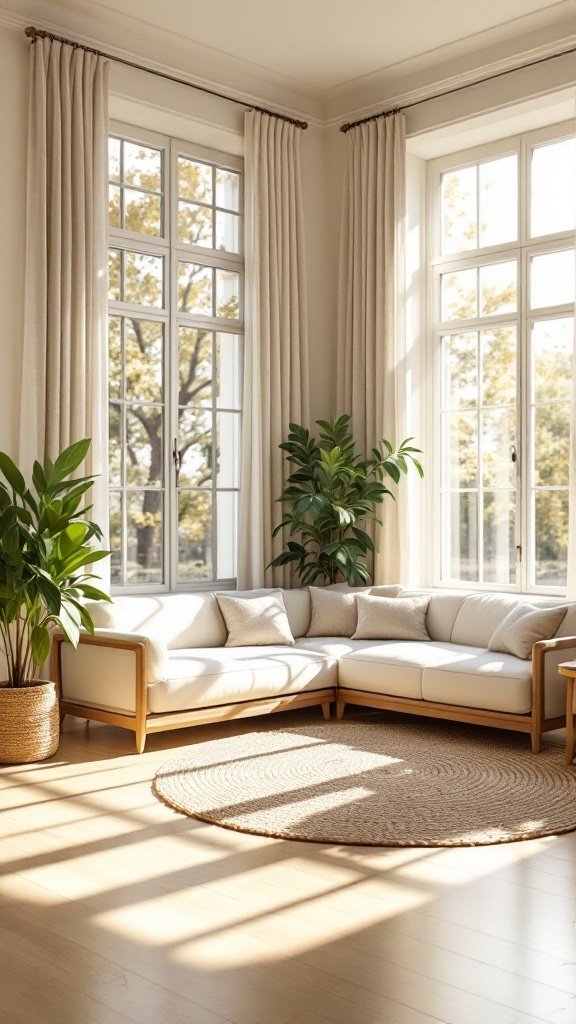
{"x": 407, "y": 784}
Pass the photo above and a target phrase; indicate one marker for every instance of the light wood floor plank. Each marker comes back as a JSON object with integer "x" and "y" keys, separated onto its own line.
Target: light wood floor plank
{"x": 138, "y": 914}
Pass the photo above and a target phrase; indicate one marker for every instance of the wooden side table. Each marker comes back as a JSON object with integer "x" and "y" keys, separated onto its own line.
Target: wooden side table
{"x": 568, "y": 669}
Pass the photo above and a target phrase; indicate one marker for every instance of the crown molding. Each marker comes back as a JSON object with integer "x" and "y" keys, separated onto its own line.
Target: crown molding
{"x": 481, "y": 73}
{"x": 299, "y": 107}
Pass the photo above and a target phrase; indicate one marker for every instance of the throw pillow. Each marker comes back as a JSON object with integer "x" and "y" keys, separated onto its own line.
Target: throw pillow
{"x": 523, "y": 626}
{"x": 391, "y": 618}
{"x": 255, "y": 621}
{"x": 333, "y": 612}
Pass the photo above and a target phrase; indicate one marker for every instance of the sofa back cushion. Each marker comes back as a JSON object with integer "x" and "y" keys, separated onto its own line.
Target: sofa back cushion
{"x": 442, "y": 611}
{"x": 188, "y": 620}
{"x": 481, "y": 614}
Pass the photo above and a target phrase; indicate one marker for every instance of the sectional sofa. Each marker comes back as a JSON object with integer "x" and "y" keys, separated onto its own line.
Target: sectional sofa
{"x": 164, "y": 662}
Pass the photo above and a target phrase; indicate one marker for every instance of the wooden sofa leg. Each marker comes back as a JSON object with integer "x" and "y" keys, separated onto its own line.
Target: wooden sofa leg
{"x": 327, "y": 710}
{"x": 340, "y": 705}
{"x": 536, "y": 741}
{"x": 140, "y": 740}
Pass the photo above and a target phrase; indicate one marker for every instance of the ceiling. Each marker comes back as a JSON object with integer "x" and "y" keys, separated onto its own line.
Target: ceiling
{"x": 326, "y": 45}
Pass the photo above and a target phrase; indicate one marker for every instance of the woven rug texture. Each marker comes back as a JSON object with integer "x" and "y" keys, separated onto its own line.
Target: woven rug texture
{"x": 408, "y": 783}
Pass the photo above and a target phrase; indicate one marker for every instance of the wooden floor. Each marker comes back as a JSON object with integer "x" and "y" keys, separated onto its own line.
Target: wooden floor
{"x": 115, "y": 909}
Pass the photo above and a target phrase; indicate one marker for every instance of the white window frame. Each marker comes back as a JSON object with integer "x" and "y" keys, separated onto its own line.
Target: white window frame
{"x": 523, "y": 248}
{"x": 172, "y": 318}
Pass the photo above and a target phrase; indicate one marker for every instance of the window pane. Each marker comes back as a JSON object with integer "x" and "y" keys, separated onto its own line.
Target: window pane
{"x": 551, "y": 529}
{"x": 499, "y": 366}
{"x": 114, "y": 159}
{"x": 194, "y": 180}
{"x": 144, "y": 344}
{"x": 498, "y": 195}
{"x": 194, "y": 536}
{"x": 228, "y": 449}
{"x": 552, "y": 444}
{"x": 143, "y": 167}
{"x": 459, "y": 213}
{"x": 144, "y": 446}
{"x": 113, "y": 206}
{"x": 114, "y": 356}
{"x": 194, "y": 366}
{"x": 195, "y": 444}
{"x": 228, "y": 294}
{"x": 459, "y": 295}
{"x": 144, "y": 537}
{"x": 143, "y": 279}
{"x": 460, "y": 370}
{"x": 142, "y": 212}
{"x": 227, "y": 232}
{"x": 553, "y": 278}
{"x": 463, "y": 533}
{"x": 553, "y": 198}
{"x": 227, "y": 513}
{"x": 229, "y": 370}
{"x": 461, "y": 445}
{"x": 115, "y": 444}
{"x": 195, "y": 224}
{"x": 498, "y": 288}
{"x": 552, "y": 342}
{"x": 227, "y": 189}
{"x": 194, "y": 288}
{"x": 115, "y": 542}
{"x": 499, "y": 562}
{"x": 114, "y": 275}
{"x": 498, "y": 436}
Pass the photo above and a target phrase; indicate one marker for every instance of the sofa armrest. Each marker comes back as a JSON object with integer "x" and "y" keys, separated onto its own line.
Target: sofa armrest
{"x": 109, "y": 670}
{"x": 549, "y": 689}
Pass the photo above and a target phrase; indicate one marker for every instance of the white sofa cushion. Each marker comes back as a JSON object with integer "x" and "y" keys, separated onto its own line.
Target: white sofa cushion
{"x": 206, "y": 677}
{"x": 260, "y": 619}
{"x": 442, "y": 611}
{"x": 476, "y": 678}
{"x": 523, "y": 627}
{"x": 397, "y": 618}
{"x": 333, "y": 612}
{"x": 391, "y": 667}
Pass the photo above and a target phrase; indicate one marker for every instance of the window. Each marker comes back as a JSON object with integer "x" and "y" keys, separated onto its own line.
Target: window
{"x": 175, "y": 356}
{"x": 503, "y": 275}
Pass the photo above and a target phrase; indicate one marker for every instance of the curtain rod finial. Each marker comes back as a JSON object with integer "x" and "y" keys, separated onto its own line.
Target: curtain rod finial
{"x": 31, "y": 33}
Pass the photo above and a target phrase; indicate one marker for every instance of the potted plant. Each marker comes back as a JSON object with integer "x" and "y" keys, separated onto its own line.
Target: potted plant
{"x": 45, "y": 547}
{"x": 332, "y": 491}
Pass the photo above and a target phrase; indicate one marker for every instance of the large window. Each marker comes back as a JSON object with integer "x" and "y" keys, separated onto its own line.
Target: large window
{"x": 175, "y": 338}
{"x": 502, "y": 291}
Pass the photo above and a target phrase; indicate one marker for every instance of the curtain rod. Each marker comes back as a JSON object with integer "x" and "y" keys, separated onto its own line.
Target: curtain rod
{"x": 458, "y": 88}
{"x": 38, "y": 33}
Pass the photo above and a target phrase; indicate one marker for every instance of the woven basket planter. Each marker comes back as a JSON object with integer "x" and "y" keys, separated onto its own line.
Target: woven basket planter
{"x": 29, "y": 722}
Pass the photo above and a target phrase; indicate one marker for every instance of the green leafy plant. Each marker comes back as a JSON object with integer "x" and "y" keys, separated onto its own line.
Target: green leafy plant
{"x": 330, "y": 494}
{"x": 45, "y": 545}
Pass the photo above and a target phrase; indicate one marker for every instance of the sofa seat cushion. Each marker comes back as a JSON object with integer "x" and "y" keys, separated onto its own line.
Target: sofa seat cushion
{"x": 392, "y": 667}
{"x": 206, "y": 677}
{"x": 476, "y": 678}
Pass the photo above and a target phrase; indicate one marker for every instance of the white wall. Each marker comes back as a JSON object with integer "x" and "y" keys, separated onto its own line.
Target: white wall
{"x": 13, "y": 129}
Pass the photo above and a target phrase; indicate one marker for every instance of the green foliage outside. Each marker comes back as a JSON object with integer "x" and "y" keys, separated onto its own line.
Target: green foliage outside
{"x": 45, "y": 547}
{"x": 331, "y": 495}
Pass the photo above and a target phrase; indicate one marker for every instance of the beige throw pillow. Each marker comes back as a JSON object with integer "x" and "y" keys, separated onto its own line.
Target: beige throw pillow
{"x": 255, "y": 621}
{"x": 391, "y": 618}
{"x": 333, "y": 612}
{"x": 523, "y": 626}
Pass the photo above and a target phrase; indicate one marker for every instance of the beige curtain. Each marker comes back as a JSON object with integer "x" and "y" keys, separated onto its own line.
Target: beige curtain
{"x": 276, "y": 347}
{"x": 371, "y": 384}
{"x": 64, "y": 362}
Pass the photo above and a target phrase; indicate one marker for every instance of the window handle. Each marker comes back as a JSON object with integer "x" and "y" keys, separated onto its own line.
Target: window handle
{"x": 513, "y": 453}
{"x": 176, "y": 457}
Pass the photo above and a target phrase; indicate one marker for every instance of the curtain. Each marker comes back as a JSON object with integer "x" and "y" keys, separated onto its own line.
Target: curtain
{"x": 64, "y": 375}
{"x": 371, "y": 379}
{"x": 276, "y": 346}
